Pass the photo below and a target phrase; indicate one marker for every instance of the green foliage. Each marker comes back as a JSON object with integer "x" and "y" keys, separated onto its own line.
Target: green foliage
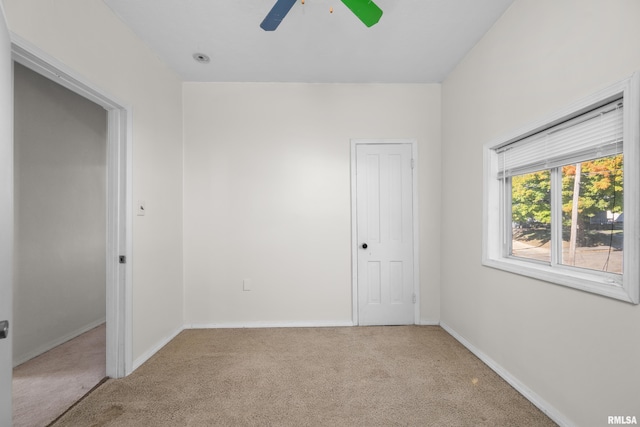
{"x": 601, "y": 190}
{"x": 531, "y": 198}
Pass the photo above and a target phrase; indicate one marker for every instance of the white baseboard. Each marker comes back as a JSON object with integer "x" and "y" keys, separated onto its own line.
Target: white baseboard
{"x": 533, "y": 397}
{"x": 429, "y": 323}
{"x": 153, "y": 350}
{"x": 240, "y": 325}
{"x": 56, "y": 342}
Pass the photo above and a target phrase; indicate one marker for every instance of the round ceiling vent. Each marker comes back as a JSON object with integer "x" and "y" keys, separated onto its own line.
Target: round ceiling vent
{"x": 201, "y": 58}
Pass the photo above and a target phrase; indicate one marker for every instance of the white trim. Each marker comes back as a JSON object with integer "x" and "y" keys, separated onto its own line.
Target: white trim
{"x": 56, "y": 342}
{"x": 125, "y": 308}
{"x": 269, "y": 324}
{"x": 119, "y": 190}
{"x": 153, "y": 350}
{"x": 354, "y": 238}
{"x": 625, "y": 287}
{"x": 416, "y": 233}
{"x": 428, "y": 323}
{"x": 631, "y": 261}
{"x": 6, "y": 217}
{"x": 354, "y": 225}
{"x": 529, "y": 394}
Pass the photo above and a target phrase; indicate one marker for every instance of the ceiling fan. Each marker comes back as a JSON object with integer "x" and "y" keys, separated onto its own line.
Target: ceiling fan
{"x": 366, "y": 10}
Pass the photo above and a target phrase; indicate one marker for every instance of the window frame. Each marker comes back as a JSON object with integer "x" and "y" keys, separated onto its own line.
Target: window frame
{"x": 496, "y": 218}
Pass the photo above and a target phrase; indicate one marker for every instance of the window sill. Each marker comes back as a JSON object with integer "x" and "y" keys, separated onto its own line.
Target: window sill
{"x": 605, "y": 285}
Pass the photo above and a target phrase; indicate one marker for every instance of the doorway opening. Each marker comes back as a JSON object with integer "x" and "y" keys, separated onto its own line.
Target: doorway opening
{"x": 114, "y": 324}
{"x": 59, "y": 287}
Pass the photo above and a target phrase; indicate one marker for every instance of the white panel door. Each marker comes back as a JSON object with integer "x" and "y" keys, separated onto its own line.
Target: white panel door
{"x": 384, "y": 205}
{"x": 6, "y": 217}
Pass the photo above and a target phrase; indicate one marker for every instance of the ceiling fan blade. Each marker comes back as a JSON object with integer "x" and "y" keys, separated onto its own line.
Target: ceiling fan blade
{"x": 366, "y": 10}
{"x": 277, "y": 14}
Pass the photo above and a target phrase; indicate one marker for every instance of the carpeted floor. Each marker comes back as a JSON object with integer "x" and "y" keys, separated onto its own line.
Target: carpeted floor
{"x": 358, "y": 376}
{"x": 46, "y": 386}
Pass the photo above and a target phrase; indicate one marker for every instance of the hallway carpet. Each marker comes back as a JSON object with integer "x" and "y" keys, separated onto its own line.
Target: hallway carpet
{"x": 352, "y": 376}
{"x": 46, "y": 386}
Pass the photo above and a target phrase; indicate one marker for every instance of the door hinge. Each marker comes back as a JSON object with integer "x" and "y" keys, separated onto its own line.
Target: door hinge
{"x": 414, "y": 298}
{"x": 123, "y": 259}
{"x": 413, "y": 163}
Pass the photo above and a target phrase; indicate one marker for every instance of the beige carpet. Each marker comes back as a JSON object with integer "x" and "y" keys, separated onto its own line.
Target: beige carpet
{"x": 46, "y": 386}
{"x": 361, "y": 376}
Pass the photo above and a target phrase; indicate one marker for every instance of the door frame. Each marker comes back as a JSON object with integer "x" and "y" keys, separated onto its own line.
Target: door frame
{"x": 354, "y": 224}
{"x": 6, "y": 218}
{"x": 119, "y": 354}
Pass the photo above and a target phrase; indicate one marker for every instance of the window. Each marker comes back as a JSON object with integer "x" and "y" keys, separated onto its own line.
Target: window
{"x": 557, "y": 194}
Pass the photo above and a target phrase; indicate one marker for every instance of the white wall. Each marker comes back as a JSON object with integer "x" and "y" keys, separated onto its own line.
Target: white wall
{"x": 60, "y": 214}
{"x": 86, "y": 37}
{"x": 267, "y": 195}
{"x": 577, "y": 351}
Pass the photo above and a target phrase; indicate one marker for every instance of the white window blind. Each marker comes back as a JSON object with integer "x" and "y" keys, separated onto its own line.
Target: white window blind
{"x": 595, "y": 134}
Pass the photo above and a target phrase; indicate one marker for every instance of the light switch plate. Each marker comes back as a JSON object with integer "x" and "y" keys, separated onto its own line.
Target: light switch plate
{"x": 246, "y": 285}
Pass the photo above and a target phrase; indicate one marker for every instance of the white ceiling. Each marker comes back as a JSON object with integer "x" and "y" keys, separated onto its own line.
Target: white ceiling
{"x": 416, "y": 41}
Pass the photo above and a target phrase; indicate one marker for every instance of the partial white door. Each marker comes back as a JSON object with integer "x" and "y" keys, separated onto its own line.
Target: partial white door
{"x": 6, "y": 218}
{"x": 384, "y": 215}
